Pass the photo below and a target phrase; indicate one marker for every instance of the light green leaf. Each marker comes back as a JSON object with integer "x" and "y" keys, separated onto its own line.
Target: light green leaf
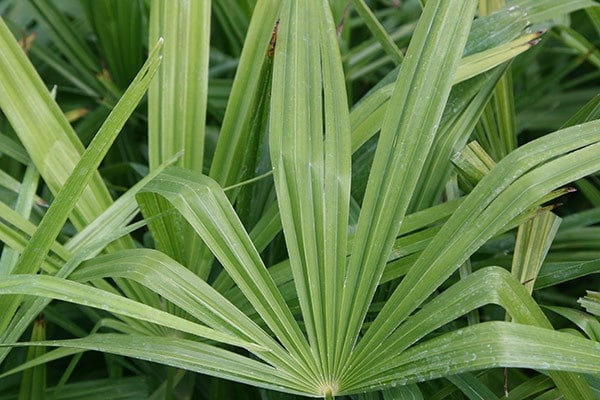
{"x": 43, "y": 129}
{"x": 109, "y": 226}
{"x": 588, "y": 323}
{"x": 555, "y": 273}
{"x": 70, "y": 43}
{"x": 77, "y": 182}
{"x": 591, "y": 302}
{"x": 245, "y": 93}
{"x": 477, "y": 63}
{"x": 489, "y": 345}
{"x": 23, "y": 206}
{"x": 206, "y": 208}
{"x": 189, "y": 355}
{"x": 177, "y": 97}
{"x": 16, "y": 232}
{"x": 33, "y": 380}
{"x": 500, "y": 196}
{"x": 177, "y": 102}
{"x": 13, "y": 149}
{"x": 61, "y": 289}
{"x": 310, "y": 154}
{"x": 533, "y": 242}
{"x": 118, "y": 215}
{"x": 416, "y": 105}
{"x": 540, "y": 11}
{"x": 489, "y": 285}
{"x": 180, "y": 286}
{"x": 378, "y": 31}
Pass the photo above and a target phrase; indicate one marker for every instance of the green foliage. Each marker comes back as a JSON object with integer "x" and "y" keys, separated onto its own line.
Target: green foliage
{"x": 350, "y": 199}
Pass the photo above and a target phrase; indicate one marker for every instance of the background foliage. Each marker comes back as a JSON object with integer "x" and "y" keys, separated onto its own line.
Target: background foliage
{"x": 360, "y": 199}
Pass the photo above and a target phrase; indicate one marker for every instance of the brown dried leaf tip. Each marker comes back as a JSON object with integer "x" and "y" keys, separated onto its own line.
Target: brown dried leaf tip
{"x": 273, "y": 41}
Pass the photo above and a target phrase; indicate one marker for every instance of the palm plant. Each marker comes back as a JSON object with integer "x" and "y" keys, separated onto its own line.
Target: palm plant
{"x": 389, "y": 218}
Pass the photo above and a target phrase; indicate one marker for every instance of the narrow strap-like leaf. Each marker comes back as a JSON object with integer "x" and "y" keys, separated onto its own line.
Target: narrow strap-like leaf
{"x": 66, "y": 290}
{"x": 177, "y": 102}
{"x": 509, "y": 190}
{"x": 378, "y": 31}
{"x": 234, "y": 136}
{"x": 180, "y": 286}
{"x": 533, "y": 242}
{"x": 177, "y": 97}
{"x": 43, "y": 129}
{"x": 408, "y": 130}
{"x": 204, "y": 205}
{"x": 489, "y": 345}
{"x": 491, "y": 285}
{"x": 186, "y": 354}
{"x": 69, "y": 42}
{"x": 77, "y": 182}
{"x": 310, "y": 154}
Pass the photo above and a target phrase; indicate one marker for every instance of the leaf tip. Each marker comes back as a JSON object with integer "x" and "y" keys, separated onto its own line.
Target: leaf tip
{"x": 537, "y": 37}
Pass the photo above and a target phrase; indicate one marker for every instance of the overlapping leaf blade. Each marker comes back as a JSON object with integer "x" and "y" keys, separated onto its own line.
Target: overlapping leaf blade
{"x": 177, "y": 97}
{"x": 42, "y": 128}
{"x": 180, "y": 286}
{"x": 504, "y": 189}
{"x": 177, "y": 102}
{"x": 234, "y": 136}
{"x": 77, "y": 182}
{"x": 189, "y": 355}
{"x": 513, "y": 186}
{"x": 66, "y": 290}
{"x": 310, "y": 154}
{"x": 408, "y": 130}
{"x": 250, "y": 306}
{"x": 204, "y": 205}
{"x": 489, "y": 345}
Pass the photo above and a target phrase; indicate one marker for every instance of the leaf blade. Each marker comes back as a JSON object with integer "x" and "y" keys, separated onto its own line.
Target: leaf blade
{"x": 421, "y": 91}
